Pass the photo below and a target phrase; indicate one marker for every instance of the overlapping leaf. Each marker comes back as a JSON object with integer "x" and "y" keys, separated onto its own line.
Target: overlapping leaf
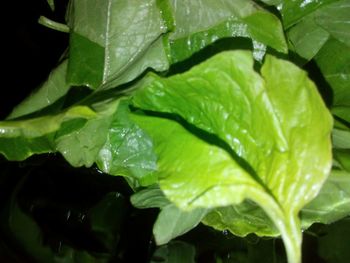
{"x": 277, "y": 155}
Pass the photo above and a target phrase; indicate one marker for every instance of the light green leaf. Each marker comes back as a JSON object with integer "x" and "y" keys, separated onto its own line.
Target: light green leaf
{"x": 173, "y": 222}
{"x": 174, "y": 252}
{"x": 264, "y": 134}
{"x": 332, "y": 203}
{"x": 52, "y": 89}
{"x": 242, "y": 219}
{"x": 151, "y": 197}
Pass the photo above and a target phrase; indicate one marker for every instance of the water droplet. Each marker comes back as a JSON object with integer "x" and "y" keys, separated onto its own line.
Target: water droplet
{"x": 225, "y": 232}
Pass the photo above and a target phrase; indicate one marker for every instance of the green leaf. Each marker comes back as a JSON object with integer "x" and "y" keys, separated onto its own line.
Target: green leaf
{"x": 315, "y": 22}
{"x": 81, "y": 146}
{"x": 332, "y": 203}
{"x": 30, "y": 238}
{"x": 174, "y": 252}
{"x": 335, "y": 18}
{"x": 294, "y": 10}
{"x": 200, "y": 23}
{"x": 106, "y": 219}
{"x": 307, "y": 38}
{"x": 99, "y": 133}
{"x": 265, "y": 136}
{"x": 242, "y": 219}
{"x": 109, "y": 50}
{"x": 23, "y": 138}
{"x": 51, "y": 4}
{"x": 127, "y": 150}
{"x": 341, "y": 138}
{"x": 342, "y": 156}
{"x": 151, "y": 197}
{"x": 173, "y": 222}
{"x": 342, "y": 112}
{"x": 334, "y": 62}
{"x": 333, "y": 245}
{"x": 52, "y": 89}
{"x": 111, "y": 36}
{"x": 86, "y": 60}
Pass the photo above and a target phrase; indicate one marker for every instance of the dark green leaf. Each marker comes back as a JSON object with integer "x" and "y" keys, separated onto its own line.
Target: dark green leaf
{"x": 335, "y": 18}
{"x": 334, "y": 62}
{"x": 115, "y": 35}
{"x": 333, "y": 247}
{"x": 53, "y": 89}
{"x": 174, "y": 252}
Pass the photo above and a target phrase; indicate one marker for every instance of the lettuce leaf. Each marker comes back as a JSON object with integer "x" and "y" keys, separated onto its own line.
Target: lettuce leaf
{"x": 274, "y": 153}
{"x": 112, "y": 43}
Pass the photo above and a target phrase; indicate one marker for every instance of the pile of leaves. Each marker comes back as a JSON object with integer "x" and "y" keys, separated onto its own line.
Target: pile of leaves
{"x": 203, "y": 113}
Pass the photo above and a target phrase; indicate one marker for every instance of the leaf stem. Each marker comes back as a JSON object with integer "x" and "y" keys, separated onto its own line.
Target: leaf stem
{"x": 53, "y": 25}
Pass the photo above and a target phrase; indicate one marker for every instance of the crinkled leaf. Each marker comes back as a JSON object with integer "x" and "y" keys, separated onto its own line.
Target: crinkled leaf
{"x": 127, "y": 150}
{"x": 110, "y": 47}
{"x": 151, "y": 197}
{"x": 52, "y": 89}
{"x": 174, "y": 252}
{"x": 200, "y": 23}
{"x": 332, "y": 203}
{"x": 281, "y": 155}
{"x": 242, "y": 219}
{"x": 334, "y": 62}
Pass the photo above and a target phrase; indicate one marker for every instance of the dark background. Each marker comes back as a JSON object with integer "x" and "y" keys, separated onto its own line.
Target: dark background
{"x": 30, "y": 50}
